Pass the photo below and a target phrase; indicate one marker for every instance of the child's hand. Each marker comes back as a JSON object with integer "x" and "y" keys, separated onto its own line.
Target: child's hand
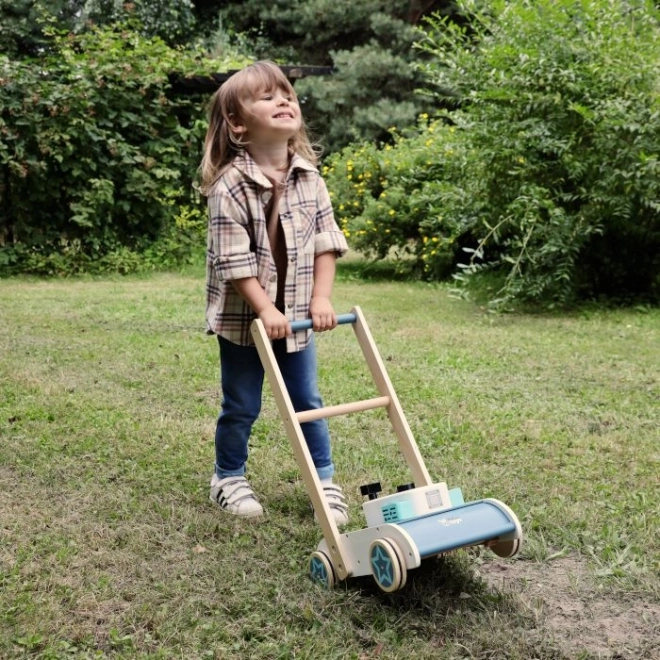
{"x": 275, "y": 323}
{"x": 322, "y": 313}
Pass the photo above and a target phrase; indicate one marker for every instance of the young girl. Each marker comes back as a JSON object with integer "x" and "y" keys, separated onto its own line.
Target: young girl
{"x": 272, "y": 245}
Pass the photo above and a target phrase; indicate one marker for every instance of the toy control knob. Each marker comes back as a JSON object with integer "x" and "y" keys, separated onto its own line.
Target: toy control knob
{"x": 400, "y": 489}
{"x": 371, "y": 490}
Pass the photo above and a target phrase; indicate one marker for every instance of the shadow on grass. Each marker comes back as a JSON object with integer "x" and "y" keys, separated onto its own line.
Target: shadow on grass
{"x": 440, "y": 584}
{"x": 445, "y": 605}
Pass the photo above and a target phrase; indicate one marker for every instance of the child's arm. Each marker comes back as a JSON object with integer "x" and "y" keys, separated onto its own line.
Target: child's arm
{"x": 320, "y": 308}
{"x": 275, "y": 323}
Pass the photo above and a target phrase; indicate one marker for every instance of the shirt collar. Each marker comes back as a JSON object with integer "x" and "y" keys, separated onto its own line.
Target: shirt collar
{"x": 245, "y": 164}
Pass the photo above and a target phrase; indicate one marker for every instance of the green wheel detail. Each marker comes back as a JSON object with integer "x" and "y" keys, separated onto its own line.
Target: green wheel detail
{"x": 320, "y": 569}
{"x": 386, "y": 566}
{"x": 507, "y": 549}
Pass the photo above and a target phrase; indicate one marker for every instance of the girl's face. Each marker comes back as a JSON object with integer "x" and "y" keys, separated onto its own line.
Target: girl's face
{"x": 269, "y": 116}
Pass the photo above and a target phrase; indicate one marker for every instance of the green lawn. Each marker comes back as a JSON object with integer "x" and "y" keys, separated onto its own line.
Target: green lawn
{"x": 109, "y": 546}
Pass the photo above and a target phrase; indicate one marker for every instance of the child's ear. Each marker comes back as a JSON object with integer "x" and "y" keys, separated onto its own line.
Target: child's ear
{"x": 235, "y": 126}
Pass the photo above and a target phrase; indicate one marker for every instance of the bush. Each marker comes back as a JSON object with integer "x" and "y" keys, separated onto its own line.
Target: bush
{"x": 95, "y": 156}
{"x": 553, "y": 180}
{"x": 390, "y": 200}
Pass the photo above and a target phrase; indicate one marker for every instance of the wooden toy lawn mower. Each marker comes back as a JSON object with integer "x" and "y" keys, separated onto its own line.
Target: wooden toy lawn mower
{"x": 421, "y": 520}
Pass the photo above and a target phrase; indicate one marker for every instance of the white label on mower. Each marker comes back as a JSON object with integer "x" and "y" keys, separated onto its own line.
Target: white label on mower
{"x": 434, "y": 498}
{"x": 448, "y": 522}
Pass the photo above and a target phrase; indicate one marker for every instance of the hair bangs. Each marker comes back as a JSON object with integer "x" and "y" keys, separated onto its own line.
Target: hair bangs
{"x": 265, "y": 77}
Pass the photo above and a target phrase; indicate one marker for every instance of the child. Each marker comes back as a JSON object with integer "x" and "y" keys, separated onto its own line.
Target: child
{"x": 272, "y": 245}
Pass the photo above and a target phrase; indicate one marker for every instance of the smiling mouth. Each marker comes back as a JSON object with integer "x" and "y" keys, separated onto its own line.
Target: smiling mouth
{"x": 286, "y": 115}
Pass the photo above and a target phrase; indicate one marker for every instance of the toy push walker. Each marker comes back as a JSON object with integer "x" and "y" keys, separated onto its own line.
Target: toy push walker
{"x": 421, "y": 520}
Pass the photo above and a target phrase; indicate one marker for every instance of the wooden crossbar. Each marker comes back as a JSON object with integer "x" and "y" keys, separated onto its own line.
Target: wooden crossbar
{"x": 342, "y": 409}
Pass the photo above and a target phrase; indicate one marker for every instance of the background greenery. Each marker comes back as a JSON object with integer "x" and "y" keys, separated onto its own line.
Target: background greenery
{"x": 547, "y": 172}
{"x": 513, "y": 140}
{"x": 109, "y": 547}
{"x": 98, "y": 157}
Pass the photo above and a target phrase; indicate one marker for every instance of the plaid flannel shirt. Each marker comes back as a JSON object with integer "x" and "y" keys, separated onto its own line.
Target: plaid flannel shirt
{"x": 238, "y": 244}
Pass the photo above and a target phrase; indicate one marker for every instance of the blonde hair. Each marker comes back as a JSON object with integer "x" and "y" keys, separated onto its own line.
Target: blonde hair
{"x": 227, "y": 106}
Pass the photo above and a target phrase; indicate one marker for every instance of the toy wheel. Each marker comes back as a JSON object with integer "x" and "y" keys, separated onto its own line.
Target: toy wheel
{"x": 387, "y": 565}
{"x": 320, "y": 569}
{"x": 507, "y": 549}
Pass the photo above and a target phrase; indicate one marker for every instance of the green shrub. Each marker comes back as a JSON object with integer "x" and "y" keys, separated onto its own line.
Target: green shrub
{"x": 553, "y": 182}
{"x": 563, "y": 117}
{"x": 390, "y": 199}
{"x": 96, "y": 156}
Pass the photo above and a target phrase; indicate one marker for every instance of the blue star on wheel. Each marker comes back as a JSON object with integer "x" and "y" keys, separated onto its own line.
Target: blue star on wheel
{"x": 382, "y": 566}
{"x": 318, "y": 571}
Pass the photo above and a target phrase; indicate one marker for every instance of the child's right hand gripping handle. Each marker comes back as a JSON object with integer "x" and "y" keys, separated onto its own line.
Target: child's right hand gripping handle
{"x": 307, "y": 323}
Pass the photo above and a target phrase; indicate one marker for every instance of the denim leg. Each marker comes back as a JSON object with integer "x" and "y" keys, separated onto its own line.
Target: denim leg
{"x": 242, "y": 377}
{"x": 300, "y": 376}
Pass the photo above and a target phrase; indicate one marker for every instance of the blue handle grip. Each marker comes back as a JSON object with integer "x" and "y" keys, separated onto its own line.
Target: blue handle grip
{"x": 307, "y": 323}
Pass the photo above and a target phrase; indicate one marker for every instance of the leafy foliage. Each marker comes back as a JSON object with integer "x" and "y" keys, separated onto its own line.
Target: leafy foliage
{"x": 173, "y": 21}
{"x": 547, "y": 173}
{"x": 370, "y": 45}
{"x": 95, "y": 157}
{"x": 25, "y": 23}
{"x": 390, "y": 200}
{"x": 22, "y": 23}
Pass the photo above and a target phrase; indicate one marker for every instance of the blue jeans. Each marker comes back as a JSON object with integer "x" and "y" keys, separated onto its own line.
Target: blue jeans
{"x": 242, "y": 377}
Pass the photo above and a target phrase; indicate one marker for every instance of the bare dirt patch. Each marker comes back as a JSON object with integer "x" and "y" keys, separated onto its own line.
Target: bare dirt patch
{"x": 580, "y": 617}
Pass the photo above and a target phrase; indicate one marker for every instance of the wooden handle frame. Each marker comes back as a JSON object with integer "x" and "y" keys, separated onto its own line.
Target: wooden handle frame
{"x": 292, "y": 421}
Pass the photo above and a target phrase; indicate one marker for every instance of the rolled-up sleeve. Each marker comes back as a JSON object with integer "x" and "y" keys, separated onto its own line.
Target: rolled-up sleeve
{"x": 230, "y": 239}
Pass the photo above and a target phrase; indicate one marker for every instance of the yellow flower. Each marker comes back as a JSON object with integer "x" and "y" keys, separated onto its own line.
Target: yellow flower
{"x": 392, "y": 212}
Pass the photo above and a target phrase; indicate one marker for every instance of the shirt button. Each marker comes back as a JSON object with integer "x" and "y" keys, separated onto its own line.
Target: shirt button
{"x": 273, "y": 278}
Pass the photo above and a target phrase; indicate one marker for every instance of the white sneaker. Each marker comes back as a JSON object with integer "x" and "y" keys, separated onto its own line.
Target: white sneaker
{"x": 337, "y": 502}
{"x": 234, "y": 495}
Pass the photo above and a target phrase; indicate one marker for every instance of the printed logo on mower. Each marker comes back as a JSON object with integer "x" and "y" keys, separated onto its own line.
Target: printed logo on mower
{"x": 448, "y": 522}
